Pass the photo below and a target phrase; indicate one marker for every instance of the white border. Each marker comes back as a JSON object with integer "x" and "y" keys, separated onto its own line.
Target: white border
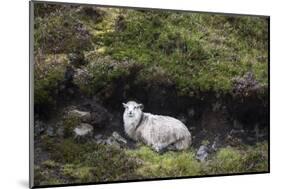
{"x": 14, "y": 92}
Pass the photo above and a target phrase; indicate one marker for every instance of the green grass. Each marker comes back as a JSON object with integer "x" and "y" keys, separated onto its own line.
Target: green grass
{"x": 166, "y": 165}
{"x": 201, "y": 52}
{"x": 196, "y": 52}
{"x": 226, "y": 161}
{"x": 72, "y": 162}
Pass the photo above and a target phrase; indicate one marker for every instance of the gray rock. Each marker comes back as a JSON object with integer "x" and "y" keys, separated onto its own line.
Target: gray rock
{"x": 39, "y": 127}
{"x": 50, "y": 131}
{"x": 115, "y": 140}
{"x": 202, "y": 153}
{"x": 111, "y": 141}
{"x": 83, "y": 130}
{"x": 60, "y": 132}
{"x": 119, "y": 138}
{"x": 98, "y": 137}
{"x": 84, "y": 116}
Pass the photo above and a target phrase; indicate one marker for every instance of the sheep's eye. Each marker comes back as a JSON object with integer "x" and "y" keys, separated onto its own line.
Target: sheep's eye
{"x": 135, "y": 107}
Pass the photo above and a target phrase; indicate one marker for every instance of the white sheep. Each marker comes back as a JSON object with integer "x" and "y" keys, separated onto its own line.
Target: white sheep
{"x": 159, "y": 132}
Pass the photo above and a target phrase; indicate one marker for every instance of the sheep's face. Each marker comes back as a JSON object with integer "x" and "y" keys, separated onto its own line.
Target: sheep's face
{"x": 133, "y": 109}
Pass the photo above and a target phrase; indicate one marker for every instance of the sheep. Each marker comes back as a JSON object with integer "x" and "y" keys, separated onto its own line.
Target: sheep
{"x": 160, "y": 132}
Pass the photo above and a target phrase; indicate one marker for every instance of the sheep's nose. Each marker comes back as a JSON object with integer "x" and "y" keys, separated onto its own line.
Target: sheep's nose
{"x": 130, "y": 112}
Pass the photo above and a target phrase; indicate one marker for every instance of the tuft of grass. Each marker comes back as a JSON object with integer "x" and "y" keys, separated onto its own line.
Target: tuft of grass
{"x": 89, "y": 162}
{"x": 69, "y": 123}
{"x": 79, "y": 173}
{"x": 232, "y": 160}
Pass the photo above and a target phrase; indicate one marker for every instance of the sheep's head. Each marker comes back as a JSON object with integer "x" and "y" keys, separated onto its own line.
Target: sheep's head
{"x": 133, "y": 109}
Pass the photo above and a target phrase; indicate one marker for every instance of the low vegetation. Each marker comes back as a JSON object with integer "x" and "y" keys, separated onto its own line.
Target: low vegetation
{"x": 72, "y": 162}
{"x": 196, "y": 52}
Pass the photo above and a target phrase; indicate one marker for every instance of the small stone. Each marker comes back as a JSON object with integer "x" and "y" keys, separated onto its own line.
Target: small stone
{"x": 50, "y": 131}
{"x": 111, "y": 141}
{"x": 84, "y": 116}
{"x": 84, "y": 129}
{"x": 39, "y": 127}
{"x": 60, "y": 131}
{"x": 202, "y": 153}
{"x": 119, "y": 138}
{"x": 97, "y": 137}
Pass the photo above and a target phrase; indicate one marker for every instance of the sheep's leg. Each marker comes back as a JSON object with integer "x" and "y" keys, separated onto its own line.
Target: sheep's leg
{"x": 182, "y": 144}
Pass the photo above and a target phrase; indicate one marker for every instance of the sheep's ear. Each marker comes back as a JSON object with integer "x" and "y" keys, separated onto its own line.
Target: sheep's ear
{"x": 141, "y": 106}
{"x": 124, "y": 105}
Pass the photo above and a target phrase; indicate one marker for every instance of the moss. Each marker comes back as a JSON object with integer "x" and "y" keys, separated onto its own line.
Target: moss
{"x": 60, "y": 32}
{"x": 197, "y": 52}
{"x": 227, "y": 160}
{"x": 78, "y": 173}
{"x": 170, "y": 164}
{"x": 73, "y": 162}
{"x": 49, "y": 164}
{"x": 232, "y": 160}
{"x": 90, "y": 162}
{"x": 198, "y": 58}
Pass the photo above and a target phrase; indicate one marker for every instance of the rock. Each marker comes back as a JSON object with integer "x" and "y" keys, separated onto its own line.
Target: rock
{"x": 100, "y": 117}
{"x": 83, "y": 130}
{"x": 115, "y": 140}
{"x": 236, "y": 132}
{"x": 50, "y": 131}
{"x": 119, "y": 138}
{"x": 111, "y": 141}
{"x": 84, "y": 116}
{"x": 216, "y": 144}
{"x": 60, "y": 132}
{"x": 202, "y": 153}
{"x": 39, "y": 127}
{"x": 98, "y": 137}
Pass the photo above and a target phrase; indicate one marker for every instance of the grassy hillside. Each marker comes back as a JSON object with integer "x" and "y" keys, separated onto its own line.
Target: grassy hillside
{"x": 195, "y": 52}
